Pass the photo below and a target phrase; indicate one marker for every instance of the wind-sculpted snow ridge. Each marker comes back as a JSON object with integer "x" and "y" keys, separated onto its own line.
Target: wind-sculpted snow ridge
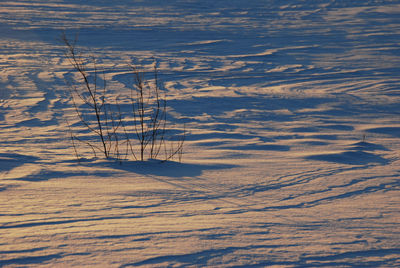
{"x": 292, "y": 148}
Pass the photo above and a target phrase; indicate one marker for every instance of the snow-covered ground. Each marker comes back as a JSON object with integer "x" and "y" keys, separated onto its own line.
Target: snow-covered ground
{"x": 292, "y": 112}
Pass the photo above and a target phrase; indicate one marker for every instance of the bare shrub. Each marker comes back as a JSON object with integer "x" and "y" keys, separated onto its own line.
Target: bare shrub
{"x": 91, "y": 104}
{"x": 149, "y": 113}
{"x": 99, "y": 111}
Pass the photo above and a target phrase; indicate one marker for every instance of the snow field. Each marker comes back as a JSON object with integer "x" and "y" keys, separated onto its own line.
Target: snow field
{"x": 291, "y": 156}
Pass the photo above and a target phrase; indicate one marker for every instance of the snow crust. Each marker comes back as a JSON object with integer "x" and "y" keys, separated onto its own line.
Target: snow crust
{"x": 292, "y": 148}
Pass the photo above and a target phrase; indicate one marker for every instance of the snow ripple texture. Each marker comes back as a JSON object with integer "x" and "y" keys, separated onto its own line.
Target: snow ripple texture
{"x": 292, "y": 150}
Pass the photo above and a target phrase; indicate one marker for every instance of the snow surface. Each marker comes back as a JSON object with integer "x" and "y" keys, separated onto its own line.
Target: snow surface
{"x": 292, "y": 150}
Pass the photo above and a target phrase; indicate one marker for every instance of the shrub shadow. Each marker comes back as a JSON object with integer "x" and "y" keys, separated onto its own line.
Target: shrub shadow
{"x": 166, "y": 169}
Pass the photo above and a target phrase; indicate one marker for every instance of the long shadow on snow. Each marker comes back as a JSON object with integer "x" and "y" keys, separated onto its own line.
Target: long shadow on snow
{"x": 391, "y": 131}
{"x": 256, "y": 147}
{"x": 9, "y": 161}
{"x": 166, "y": 169}
{"x": 31, "y": 259}
{"x": 351, "y": 158}
{"x": 346, "y": 259}
{"x": 200, "y": 258}
{"x": 65, "y": 221}
{"x": 108, "y": 168}
{"x": 359, "y": 154}
{"x": 352, "y": 259}
{"x": 149, "y": 167}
